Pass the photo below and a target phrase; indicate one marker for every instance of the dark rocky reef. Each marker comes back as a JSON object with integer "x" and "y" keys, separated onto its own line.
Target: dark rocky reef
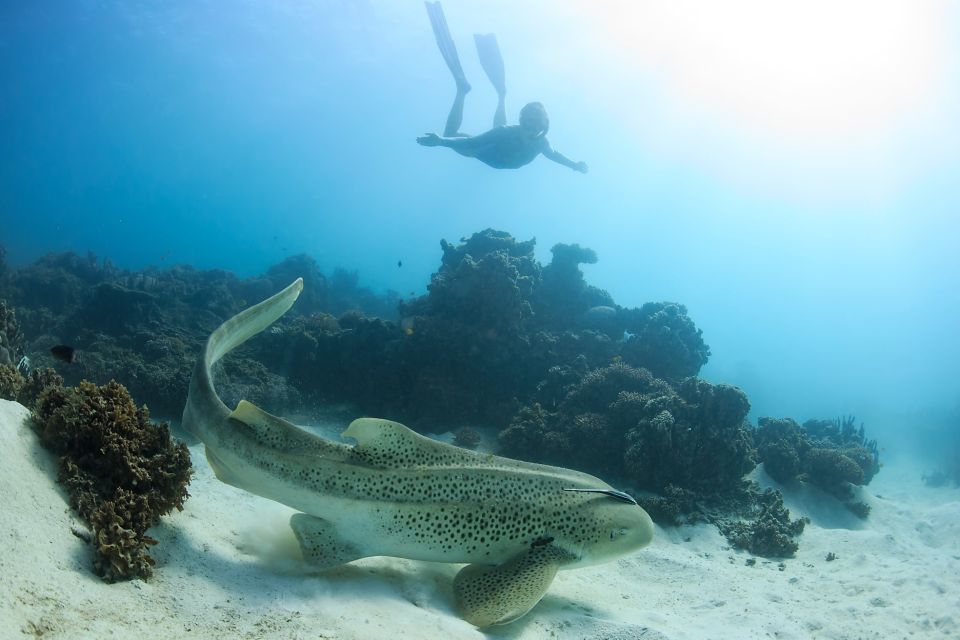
{"x": 833, "y": 455}
{"x": 122, "y": 471}
{"x": 146, "y": 328}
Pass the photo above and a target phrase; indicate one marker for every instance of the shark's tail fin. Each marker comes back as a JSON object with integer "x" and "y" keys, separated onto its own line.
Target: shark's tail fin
{"x": 203, "y": 404}
{"x": 250, "y": 322}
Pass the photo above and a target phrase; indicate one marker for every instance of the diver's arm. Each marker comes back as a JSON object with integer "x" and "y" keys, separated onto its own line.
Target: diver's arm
{"x": 466, "y": 143}
{"x": 552, "y": 154}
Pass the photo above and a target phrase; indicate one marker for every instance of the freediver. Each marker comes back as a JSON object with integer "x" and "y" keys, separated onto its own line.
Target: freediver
{"x": 504, "y": 146}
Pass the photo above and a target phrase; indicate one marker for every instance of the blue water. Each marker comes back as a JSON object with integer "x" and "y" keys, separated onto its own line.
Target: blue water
{"x": 821, "y": 261}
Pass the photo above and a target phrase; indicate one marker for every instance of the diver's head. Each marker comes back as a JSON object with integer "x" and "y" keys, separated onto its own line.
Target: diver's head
{"x": 533, "y": 119}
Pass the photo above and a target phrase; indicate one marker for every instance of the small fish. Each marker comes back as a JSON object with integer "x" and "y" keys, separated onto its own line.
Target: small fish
{"x": 64, "y": 352}
{"x": 399, "y": 263}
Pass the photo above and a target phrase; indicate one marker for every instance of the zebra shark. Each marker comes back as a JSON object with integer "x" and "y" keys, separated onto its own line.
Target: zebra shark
{"x": 398, "y": 493}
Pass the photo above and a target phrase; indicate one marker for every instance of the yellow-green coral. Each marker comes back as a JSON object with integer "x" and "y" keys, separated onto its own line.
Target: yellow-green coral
{"x": 123, "y": 471}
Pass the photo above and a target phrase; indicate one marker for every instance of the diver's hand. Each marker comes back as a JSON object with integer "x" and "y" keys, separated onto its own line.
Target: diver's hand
{"x": 429, "y": 140}
{"x": 581, "y": 167}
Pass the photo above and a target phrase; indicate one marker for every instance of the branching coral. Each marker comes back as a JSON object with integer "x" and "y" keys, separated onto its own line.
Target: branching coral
{"x": 123, "y": 472}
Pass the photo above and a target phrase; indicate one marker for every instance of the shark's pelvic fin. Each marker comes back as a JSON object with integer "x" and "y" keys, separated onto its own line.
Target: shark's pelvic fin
{"x": 488, "y": 595}
{"x": 321, "y": 545}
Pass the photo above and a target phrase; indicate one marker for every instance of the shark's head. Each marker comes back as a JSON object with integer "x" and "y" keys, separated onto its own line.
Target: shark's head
{"x": 615, "y": 526}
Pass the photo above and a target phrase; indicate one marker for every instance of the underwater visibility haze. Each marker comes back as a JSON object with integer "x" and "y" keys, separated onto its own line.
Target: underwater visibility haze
{"x": 797, "y": 197}
{"x": 742, "y": 215}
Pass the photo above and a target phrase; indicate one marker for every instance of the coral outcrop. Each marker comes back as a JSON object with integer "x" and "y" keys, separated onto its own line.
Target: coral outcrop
{"x": 767, "y": 530}
{"x": 834, "y": 455}
{"x": 564, "y": 299}
{"x": 621, "y": 422}
{"x": 122, "y": 471}
{"x": 664, "y": 340}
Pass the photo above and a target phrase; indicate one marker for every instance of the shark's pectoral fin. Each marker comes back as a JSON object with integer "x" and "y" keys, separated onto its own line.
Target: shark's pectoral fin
{"x": 488, "y": 595}
{"x": 321, "y": 545}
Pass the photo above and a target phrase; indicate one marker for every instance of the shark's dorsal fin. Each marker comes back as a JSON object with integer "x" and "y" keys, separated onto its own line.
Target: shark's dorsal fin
{"x": 387, "y": 444}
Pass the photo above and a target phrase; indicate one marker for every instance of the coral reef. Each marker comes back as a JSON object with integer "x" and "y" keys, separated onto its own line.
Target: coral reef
{"x": 621, "y": 422}
{"x": 473, "y": 350}
{"x": 122, "y": 471}
{"x": 566, "y": 374}
{"x": 833, "y": 455}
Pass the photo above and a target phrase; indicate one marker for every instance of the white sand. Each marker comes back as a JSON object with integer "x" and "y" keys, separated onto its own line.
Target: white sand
{"x": 225, "y": 570}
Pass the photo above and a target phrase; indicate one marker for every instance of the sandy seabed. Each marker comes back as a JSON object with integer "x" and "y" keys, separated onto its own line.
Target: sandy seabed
{"x": 227, "y": 567}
